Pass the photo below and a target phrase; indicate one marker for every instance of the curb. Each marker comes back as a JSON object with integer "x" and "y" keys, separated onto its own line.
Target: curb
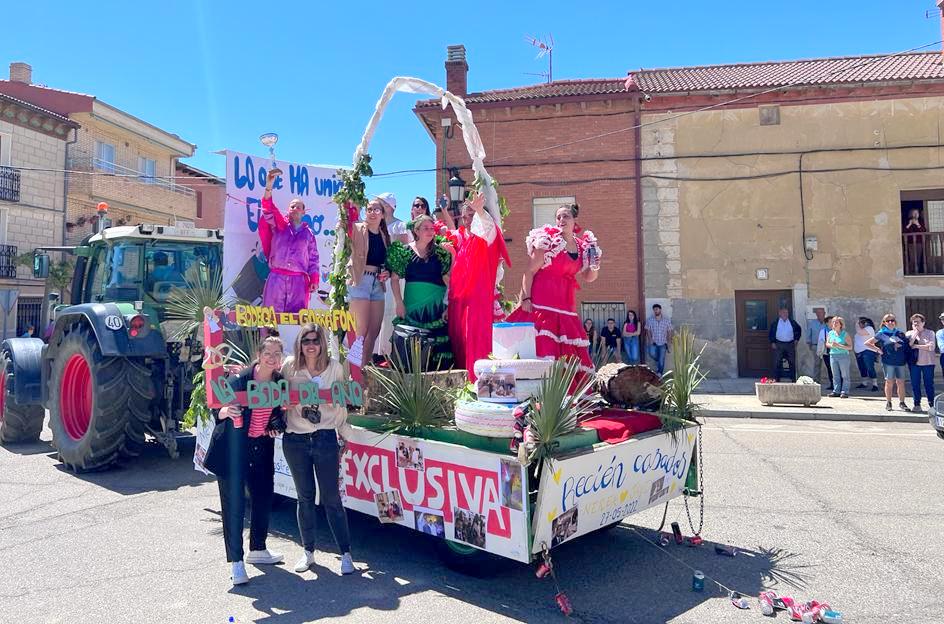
{"x": 898, "y": 417}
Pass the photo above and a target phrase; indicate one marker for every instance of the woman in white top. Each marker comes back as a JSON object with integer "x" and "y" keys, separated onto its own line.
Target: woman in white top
{"x": 865, "y": 354}
{"x": 310, "y": 445}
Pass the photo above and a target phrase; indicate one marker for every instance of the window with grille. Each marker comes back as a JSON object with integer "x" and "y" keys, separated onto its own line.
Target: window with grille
{"x": 28, "y": 312}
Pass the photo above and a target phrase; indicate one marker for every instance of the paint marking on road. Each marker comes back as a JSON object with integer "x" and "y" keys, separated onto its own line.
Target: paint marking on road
{"x": 777, "y": 429}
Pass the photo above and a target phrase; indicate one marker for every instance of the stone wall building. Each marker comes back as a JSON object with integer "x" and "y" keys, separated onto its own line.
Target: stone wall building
{"x": 32, "y": 199}
{"x": 117, "y": 158}
{"x": 796, "y": 192}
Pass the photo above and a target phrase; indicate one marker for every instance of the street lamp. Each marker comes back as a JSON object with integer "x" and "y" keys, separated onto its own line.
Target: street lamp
{"x": 456, "y": 190}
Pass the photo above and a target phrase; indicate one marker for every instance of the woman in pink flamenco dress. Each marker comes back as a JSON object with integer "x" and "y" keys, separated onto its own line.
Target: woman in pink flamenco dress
{"x": 557, "y": 258}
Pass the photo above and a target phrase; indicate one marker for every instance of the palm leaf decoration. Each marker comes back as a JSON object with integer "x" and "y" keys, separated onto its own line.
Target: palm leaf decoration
{"x": 564, "y": 398}
{"x": 410, "y": 401}
{"x": 679, "y": 383}
{"x": 187, "y": 303}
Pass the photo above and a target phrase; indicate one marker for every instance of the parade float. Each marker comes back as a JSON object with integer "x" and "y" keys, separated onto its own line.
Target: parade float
{"x": 535, "y": 454}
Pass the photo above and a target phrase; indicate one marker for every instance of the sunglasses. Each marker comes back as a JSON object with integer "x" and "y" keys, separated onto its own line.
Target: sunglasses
{"x": 374, "y": 209}
{"x": 310, "y": 341}
{"x": 418, "y": 206}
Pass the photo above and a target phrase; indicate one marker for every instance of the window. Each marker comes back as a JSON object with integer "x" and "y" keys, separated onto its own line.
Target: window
{"x": 199, "y": 204}
{"x": 769, "y": 115}
{"x": 147, "y": 167}
{"x": 544, "y": 209}
{"x": 6, "y": 141}
{"x": 104, "y": 156}
{"x": 922, "y": 231}
{"x": 28, "y": 312}
{"x": 935, "y": 210}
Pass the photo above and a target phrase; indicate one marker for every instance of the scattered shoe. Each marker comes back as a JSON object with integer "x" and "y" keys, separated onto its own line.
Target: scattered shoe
{"x": 305, "y": 561}
{"x": 888, "y": 406}
{"x": 239, "y": 575}
{"x": 264, "y": 557}
{"x": 834, "y": 394}
{"x": 860, "y": 386}
{"x": 844, "y": 396}
{"x": 347, "y": 564}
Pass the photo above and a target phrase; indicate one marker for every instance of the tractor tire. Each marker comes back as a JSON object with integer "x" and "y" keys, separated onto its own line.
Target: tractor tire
{"x": 99, "y": 407}
{"x": 467, "y": 560}
{"x": 18, "y": 423}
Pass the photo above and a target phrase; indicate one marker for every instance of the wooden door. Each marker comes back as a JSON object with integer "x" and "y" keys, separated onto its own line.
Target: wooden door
{"x": 755, "y": 311}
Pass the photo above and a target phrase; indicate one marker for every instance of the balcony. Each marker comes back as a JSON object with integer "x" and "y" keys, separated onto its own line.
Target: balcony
{"x": 923, "y": 253}
{"x": 102, "y": 180}
{"x": 8, "y": 261}
{"x": 9, "y": 184}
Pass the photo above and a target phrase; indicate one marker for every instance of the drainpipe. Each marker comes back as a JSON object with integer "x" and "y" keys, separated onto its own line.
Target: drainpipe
{"x": 637, "y": 174}
{"x": 65, "y": 185}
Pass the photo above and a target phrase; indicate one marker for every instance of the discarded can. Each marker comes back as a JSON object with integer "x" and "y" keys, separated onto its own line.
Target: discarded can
{"x": 698, "y": 581}
{"x": 694, "y": 540}
{"x": 739, "y": 601}
{"x": 564, "y": 603}
{"x": 830, "y": 617}
{"x": 543, "y": 570}
{"x": 806, "y": 612}
{"x": 766, "y": 600}
{"x": 677, "y": 532}
{"x": 664, "y": 539}
{"x": 725, "y": 551}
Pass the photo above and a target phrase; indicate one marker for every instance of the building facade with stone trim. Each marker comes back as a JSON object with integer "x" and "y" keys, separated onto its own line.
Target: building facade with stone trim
{"x": 32, "y": 143}
{"x": 117, "y": 158}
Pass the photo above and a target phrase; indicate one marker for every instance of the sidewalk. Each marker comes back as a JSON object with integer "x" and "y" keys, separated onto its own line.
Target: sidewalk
{"x": 734, "y": 398}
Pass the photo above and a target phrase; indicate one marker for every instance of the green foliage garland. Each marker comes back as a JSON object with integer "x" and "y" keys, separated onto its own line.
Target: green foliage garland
{"x": 353, "y": 191}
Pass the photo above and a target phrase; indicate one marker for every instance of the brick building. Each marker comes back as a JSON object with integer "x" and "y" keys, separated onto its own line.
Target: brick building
{"x": 117, "y": 158}
{"x": 517, "y": 125}
{"x": 210, "y": 192}
{"x": 33, "y": 143}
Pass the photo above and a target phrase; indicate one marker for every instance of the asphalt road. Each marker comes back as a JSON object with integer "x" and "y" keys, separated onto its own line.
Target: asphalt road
{"x": 850, "y": 513}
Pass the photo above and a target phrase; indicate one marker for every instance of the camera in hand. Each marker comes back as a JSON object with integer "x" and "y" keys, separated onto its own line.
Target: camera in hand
{"x": 312, "y": 413}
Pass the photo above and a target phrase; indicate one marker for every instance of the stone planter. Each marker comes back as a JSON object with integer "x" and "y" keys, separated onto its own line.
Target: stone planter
{"x": 790, "y": 393}
{"x": 447, "y": 380}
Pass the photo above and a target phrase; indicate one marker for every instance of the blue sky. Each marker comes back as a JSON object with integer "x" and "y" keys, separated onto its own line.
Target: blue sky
{"x": 221, "y": 73}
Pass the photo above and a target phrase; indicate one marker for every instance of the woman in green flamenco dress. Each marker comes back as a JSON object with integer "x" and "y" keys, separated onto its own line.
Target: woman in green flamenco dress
{"x": 424, "y": 264}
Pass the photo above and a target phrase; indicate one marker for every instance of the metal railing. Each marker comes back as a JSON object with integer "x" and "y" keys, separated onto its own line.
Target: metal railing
{"x": 8, "y": 261}
{"x": 923, "y": 254}
{"x": 86, "y": 162}
{"x": 9, "y": 184}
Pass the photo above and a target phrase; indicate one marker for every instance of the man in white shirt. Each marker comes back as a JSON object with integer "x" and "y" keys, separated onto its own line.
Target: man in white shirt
{"x": 784, "y": 334}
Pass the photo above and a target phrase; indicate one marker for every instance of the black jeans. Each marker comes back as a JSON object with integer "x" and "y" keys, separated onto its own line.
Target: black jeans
{"x": 252, "y": 466}
{"x": 785, "y": 350}
{"x": 829, "y": 369}
{"x": 313, "y": 456}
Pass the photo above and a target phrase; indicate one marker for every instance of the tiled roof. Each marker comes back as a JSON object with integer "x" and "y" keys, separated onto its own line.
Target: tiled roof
{"x": 38, "y": 109}
{"x": 825, "y": 71}
{"x": 558, "y": 88}
{"x": 850, "y": 69}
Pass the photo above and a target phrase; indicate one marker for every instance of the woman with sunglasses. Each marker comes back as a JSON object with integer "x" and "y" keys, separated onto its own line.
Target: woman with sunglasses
{"x": 292, "y": 252}
{"x": 367, "y": 280}
{"x": 893, "y": 343}
{"x": 241, "y": 455}
{"x": 310, "y": 445}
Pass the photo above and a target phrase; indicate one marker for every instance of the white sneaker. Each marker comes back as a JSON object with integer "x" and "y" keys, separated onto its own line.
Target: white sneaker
{"x": 305, "y": 561}
{"x": 264, "y": 557}
{"x": 239, "y": 575}
{"x": 347, "y": 564}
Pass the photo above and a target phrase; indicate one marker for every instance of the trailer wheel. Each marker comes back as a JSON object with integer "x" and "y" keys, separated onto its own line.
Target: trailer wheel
{"x": 18, "y": 423}
{"x": 466, "y": 559}
{"x": 99, "y": 406}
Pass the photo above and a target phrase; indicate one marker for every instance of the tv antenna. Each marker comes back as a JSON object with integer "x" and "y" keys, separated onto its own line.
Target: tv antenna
{"x": 545, "y": 47}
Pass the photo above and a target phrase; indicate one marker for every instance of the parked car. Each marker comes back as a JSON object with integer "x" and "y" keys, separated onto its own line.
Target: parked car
{"x": 936, "y": 415}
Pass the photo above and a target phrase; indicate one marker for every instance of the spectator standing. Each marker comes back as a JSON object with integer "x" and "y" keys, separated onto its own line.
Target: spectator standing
{"x": 823, "y": 352}
{"x": 784, "y": 334}
{"x": 940, "y": 340}
{"x": 659, "y": 336}
{"x": 922, "y": 368}
{"x": 815, "y": 337}
{"x": 613, "y": 340}
{"x": 892, "y": 343}
{"x": 840, "y": 346}
{"x": 864, "y": 354}
{"x": 592, "y": 336}
{"x": 631, "y": 330}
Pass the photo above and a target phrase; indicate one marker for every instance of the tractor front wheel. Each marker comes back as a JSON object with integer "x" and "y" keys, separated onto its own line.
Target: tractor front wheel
{"x": 99, "y": 407}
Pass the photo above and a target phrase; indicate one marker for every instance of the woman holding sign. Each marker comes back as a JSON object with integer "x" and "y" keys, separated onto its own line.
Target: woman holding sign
{"x": 292, "y": 252}
{"x": 310, "y": 445}
{"x": 241, "y": 455}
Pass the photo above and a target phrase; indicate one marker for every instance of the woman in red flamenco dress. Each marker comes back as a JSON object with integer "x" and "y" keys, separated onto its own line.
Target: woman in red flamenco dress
{"x": 558, "y": 257}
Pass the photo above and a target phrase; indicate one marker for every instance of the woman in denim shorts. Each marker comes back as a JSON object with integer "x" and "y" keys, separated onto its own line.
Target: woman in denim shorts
{"x": 893, "y": 343}
{"x": 366, "y": 280}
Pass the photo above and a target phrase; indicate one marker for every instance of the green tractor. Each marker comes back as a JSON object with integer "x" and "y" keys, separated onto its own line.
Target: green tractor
{"x": 112, "y": 366}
